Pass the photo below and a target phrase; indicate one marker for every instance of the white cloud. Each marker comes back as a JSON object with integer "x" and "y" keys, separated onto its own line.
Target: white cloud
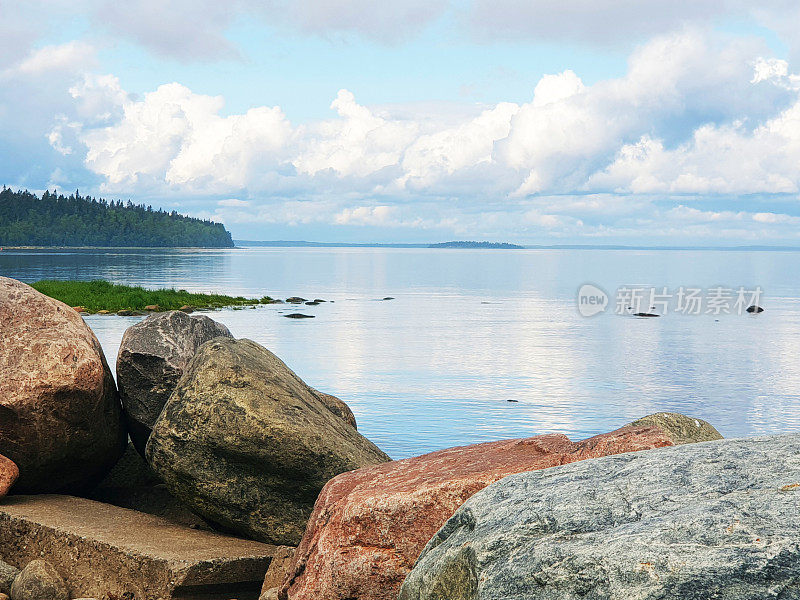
{"x": 694, "y": 114}
{"x": 366, "y": 215}
{"x": 382, "y": 21}
{"x": 70, "y": 56}
{"x": 178, "y": 138}
{"x": 359, "y": 143}
{"x": 233, "y": 202}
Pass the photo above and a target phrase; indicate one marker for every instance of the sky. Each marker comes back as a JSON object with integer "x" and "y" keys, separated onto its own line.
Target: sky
{"x": 529, "y": 121}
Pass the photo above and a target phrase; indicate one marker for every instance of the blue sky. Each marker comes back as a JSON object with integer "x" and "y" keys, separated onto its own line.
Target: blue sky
{"x": 627, "y": 121}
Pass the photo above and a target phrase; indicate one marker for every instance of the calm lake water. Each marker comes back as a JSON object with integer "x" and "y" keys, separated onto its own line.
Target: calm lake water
{"x": 470, "y": 330}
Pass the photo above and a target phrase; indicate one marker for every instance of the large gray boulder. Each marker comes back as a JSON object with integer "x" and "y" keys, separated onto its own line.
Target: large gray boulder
{"x": 711, "y": 520}
{"x": 152, "y": 357}
{"x": 248, "y": 445}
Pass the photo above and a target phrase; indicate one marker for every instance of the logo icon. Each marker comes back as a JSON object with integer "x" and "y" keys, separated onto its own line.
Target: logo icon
{"x": 591, "y": 300}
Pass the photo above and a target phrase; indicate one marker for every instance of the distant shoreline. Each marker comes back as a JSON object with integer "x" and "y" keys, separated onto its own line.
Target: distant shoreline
{"x": 247, "y": 244}
{"x": 305, "y": 244}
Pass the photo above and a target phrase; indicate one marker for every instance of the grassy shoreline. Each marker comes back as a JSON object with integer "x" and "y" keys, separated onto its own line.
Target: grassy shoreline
{"x": 99, "y": 295}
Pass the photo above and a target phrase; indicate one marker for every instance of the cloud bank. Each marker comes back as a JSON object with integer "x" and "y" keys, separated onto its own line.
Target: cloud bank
{"x": 700, "y": 138}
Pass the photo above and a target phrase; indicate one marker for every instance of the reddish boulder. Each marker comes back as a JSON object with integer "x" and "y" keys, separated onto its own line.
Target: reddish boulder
{"x": 370, "y": 525}
{"x": 8, "y": 474}
{"x": 60, "y": 416}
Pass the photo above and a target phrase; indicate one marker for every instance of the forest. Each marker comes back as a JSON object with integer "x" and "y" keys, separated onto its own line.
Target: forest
{"x": 57, "y": 220}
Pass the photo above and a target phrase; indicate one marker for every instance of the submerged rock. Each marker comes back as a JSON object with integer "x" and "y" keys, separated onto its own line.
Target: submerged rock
{"x": 39, "y": 581}
{"x": 248, "y": 445}
{"x": 152, "y": 357}
{"x": 60, "y": 418}
{"x": 712, "y": 520}
{"x": 370, "y": 525}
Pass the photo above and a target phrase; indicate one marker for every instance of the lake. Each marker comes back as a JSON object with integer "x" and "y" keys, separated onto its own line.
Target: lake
{"x": 481, "y": 345}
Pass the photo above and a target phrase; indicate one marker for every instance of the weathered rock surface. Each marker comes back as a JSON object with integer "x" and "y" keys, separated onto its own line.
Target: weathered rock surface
{"x": 369, "y": 526}
{"x": 337, "y": 407}
{"x": 152, "y": 357}
{"x": 278, "y": 571}
{"x": 248, "y": 445}
{"x": 711, "y": 520}
{"x": 681, "y": 429}
{"x": 105, "y": 551}
{"x": 9, "y": 472}
{"x": 8, "y": 574}
{"x": 39, "y": 581}
{"x": 60, "y": 418}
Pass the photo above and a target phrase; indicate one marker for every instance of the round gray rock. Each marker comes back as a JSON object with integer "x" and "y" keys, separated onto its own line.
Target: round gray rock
{"x": 695, "y": 522}
{"x": 248, "y": 445}
{"x": 8, "y": 574}
{"x": 39, "y": 581}
{"x": 152, "y": 357}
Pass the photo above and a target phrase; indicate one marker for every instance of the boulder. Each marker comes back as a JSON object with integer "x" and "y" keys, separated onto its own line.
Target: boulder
{"x": 7, "y": 576}
{"x": 277, "y": 572}
{"x": 152, "y": 357}
{"x": 337, "y": 407}
{"x": 711, "y": 520}
{"x": 9, "y": 472}
{"x": 369, "y": 526}
{"x": 248, "y": 445}
{"x": 39, "y": 581}
{"x": 60, "y": 417}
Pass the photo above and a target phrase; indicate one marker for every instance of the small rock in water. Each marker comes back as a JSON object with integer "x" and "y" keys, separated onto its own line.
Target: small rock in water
{"x": 313, "y": 303}
{"x": 641, "y": 314}
{"x": 186, "y": 308}
{"x": 125, "y": 313}
{"x": 298, "y": 316}
{"x": 152, "y": 307}
{"x": 295, "y": 300}
{"x": 754, "y": 309}
{"x": 319, "y": 300}
{"x": 512, "y": 400}
{"x": 103, "y": 312}
{"x": 79, "y": 309}
{"x": 39, "y": 581}
{"x": 388, "y": 298}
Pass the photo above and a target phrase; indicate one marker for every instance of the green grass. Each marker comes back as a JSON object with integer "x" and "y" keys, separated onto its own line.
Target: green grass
{"x": 101, "y": 295}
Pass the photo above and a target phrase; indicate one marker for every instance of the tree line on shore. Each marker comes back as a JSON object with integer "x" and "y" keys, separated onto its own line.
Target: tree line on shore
{"x": 57, "y": 220}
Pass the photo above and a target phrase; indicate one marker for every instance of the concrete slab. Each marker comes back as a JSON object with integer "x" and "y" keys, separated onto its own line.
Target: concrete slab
{"x": 102, "y": 549}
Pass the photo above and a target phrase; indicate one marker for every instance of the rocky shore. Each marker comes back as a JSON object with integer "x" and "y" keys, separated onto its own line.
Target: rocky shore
{"x": 211, "y": 471}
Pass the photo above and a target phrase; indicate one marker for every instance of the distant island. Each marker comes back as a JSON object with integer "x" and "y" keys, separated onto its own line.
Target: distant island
{"x": 492, "y": 245}
{"x": 79, "y": 221}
